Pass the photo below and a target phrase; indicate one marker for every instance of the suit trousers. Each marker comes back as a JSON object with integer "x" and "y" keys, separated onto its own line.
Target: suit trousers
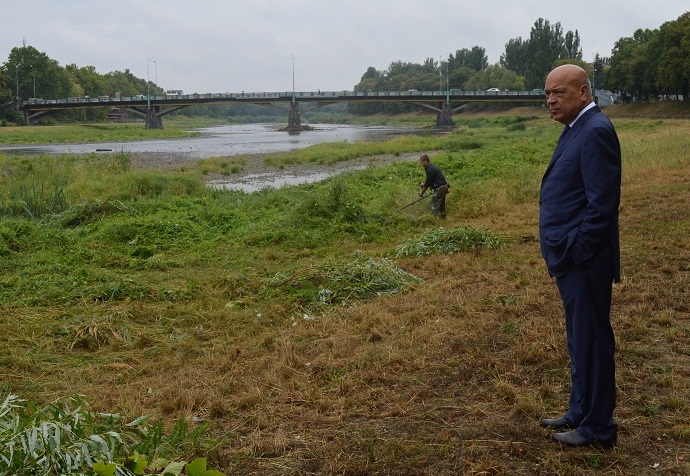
{"x": 586, "y": 293}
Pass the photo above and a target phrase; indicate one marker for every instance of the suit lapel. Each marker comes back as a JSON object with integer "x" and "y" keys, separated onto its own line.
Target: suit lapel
{"x": 570, "y": 136}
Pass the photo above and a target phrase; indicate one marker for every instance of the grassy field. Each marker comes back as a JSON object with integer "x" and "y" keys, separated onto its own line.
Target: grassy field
{"x": 321, "y": 333}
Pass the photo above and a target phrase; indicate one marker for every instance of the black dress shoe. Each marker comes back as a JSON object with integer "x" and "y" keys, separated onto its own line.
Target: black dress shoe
{"x": 559, "y": 423}
{"x": 575, "y": 438}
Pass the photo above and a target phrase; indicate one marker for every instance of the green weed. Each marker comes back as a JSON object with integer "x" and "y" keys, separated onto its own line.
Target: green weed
{"x": 66, "y": 437}
{"x": 440, "y": 240}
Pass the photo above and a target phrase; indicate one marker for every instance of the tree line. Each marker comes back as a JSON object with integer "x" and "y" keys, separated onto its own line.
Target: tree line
{"x": 653, "y": 64}
{"x": 646, "y": 66}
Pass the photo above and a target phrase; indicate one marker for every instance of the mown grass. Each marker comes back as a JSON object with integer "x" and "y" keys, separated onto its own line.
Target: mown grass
{"x": 149, "y": 293}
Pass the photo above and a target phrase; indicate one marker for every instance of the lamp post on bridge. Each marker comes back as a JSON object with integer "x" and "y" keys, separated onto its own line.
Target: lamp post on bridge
{"x": 152, "y": 119}
{"x": 293, "y": 79}
{"x": 294, "y": 121}
{"x": 148, "y": 86}
{"x": 440, "y": 78}
{"x": 445, "y": 115}
{"x": 447, "y": 81}
{"x": 17, "y": 98}
{"x": 440, "y": 74}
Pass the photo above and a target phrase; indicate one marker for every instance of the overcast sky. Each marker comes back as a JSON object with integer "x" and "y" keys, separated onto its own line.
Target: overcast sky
{"x": 255, "y": 45}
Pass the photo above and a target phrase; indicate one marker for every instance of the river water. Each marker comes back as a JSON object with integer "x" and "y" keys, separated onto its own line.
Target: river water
{"x": 228, "y": 140}
{"x": 234, "y": 140}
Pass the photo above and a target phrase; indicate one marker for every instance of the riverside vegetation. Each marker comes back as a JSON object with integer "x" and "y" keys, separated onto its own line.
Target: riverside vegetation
{"x": 314, "y": 330}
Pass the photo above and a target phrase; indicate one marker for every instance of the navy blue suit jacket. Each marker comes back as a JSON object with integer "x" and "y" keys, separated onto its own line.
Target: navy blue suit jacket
{"x": 580, "y": 195}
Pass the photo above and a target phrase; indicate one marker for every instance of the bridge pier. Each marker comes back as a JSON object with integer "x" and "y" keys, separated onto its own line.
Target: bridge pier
{"x": 444, "y": 117}
{"x": 153, "y": 118}
{"x": 294, "y": 121}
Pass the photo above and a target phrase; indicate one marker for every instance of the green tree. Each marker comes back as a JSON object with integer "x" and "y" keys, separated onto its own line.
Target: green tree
{"x": 495, "y": 76}
{"x": 371, "y": 73}
{"x": 85, "y": 81}
{"x": 672, "y": 53}
{"x": 598, "y": 73}
{"x": 474, "y": 58}
{"x": 124, "y": 83}
{"x": 515, "y": 56}
{"x": 7, "y": 110}
{"x": 546, "y": 45}
{"x": 534, "y": 58}
{"x": 91, "y": 83}
{"x": 6, "y": 95}
{"x": 629, "y": 64}
{"x": 572, "y": 45}
{"x": 459, "y": 77}
{"x": 36, "y": 75}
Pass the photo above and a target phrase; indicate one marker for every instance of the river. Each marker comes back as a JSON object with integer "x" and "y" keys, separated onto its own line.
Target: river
{"x": 228, "y": 140}
{"x": 233, "y": 140}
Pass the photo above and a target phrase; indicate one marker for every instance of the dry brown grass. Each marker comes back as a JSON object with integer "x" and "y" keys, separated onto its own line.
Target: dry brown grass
{"x": 447, "y": 379}
{"x": 451, "y": 378}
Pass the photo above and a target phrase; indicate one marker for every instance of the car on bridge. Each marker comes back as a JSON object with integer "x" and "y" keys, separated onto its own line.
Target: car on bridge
{"x": 493, "y": 90}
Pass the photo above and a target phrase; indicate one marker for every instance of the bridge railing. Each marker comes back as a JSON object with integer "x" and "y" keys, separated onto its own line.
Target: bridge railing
{"x": 305, "y": 95}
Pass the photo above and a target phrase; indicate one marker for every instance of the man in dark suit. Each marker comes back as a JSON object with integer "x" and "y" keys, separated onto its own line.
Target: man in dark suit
{"x": 578, "y": 233}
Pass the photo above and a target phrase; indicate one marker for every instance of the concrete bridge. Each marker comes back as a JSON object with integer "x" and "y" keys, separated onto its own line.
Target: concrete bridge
{"x": 153, "y": 108}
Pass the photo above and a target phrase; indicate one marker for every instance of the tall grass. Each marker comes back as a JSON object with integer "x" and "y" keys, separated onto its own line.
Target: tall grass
{"x": 40, "y": 186}
{"x": 136, "y": 222}
{"x": 33, "y": 187}
{"x": 653, "y": 144}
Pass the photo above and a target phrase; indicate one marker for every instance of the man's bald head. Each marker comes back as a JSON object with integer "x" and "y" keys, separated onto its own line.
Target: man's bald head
{"x": 568, "y": 91}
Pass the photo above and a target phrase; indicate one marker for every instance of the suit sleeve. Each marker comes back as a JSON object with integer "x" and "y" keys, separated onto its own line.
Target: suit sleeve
{"x": 600, "y": 166}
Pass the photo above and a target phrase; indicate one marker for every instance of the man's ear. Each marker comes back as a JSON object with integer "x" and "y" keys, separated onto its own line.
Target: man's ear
{"x": 583, "y": 92}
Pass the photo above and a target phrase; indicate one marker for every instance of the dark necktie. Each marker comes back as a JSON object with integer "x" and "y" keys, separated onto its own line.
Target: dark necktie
{"x": 566, "y": 129}
{"x": 561, "y": 140}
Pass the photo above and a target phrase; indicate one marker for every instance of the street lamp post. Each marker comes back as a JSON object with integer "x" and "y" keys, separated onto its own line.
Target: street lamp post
{"x": 293, "y": 79}
{"x": 148, "y": 85}
{"x": 447, "y": 83}
{"x": 149, "y": 123}
{"x": 155, "y": 85}
{"x": 440, "y": 74}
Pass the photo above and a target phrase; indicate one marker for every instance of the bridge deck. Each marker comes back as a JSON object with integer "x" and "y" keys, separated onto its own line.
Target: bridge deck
{"x": 36, "y": 104}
